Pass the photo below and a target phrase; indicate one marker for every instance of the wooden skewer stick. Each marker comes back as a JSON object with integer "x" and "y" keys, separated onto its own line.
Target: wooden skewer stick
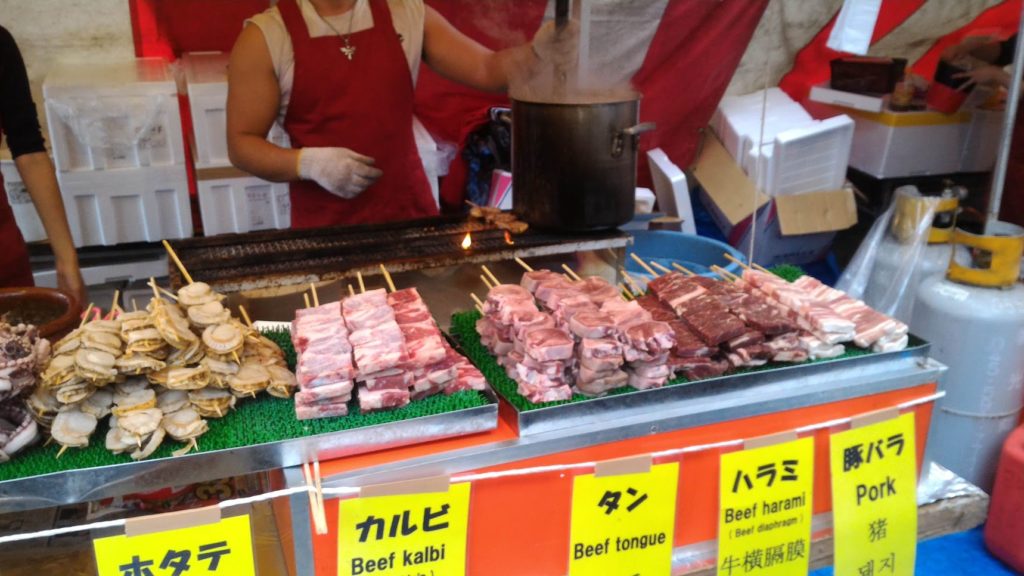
{"x": 85, "y": 317}
{"x": 61, "y": 451}
{"x": 319, "y": 495}
{"x": 177, "y": 262}
{"x": 490, "y": 274}
{"x": 724, "y": 273}
{"x": 760, "y": 268}
{"x": 308, "y": 477}
{"x": 135, "y": 307}
{"x": 305, "y": 296}
{"x": 387, "y": 278}
{"x": 632, "y": 283}
{"x": 351, "y": 291}
{"x": 362, "y": 287}
{"x": 627, "y": 294}
{"x": 476, "y": 298}
{"x": 113, "y": 304}
{"x": 234, "y": 354}
{"x": 316, "y": 297}
{"x": 486, "y": 281}
{"x": 643, "y": 265}
{"x": 523, "y": 263}
{"x": 683, "y": 269}
{"x": 572, "y": 273}
{"x": 663, "y": 269}
{"x": 245, "y": 315}
{"x": 735, "y": 260}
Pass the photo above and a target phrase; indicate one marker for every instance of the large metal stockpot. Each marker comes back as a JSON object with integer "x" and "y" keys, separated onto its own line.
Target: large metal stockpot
{"x": 574, "y": 164}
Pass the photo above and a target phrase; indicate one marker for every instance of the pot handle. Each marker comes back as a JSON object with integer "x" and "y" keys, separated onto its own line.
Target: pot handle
{"x": 634, "y": 132}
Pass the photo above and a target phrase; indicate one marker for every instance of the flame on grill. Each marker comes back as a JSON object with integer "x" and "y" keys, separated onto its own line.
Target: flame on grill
{"x": 467, "y": 241}
{"x": 508, "y": 238}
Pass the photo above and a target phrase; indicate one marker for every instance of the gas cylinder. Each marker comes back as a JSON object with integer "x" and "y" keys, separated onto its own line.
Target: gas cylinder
{"x": 974, "y": 318}
{"x": 900, "y": 249}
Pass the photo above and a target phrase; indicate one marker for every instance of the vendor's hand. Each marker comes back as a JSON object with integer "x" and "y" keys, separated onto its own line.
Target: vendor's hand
{"x": 559, "y": 48}
{"x": 69, "y": 279}
{"x": 340, "y": 171}
{"x": 985, "y": 76}
{"x": 966, "y": 47}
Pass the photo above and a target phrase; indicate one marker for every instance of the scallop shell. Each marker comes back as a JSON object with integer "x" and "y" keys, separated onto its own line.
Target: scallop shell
{"x": 141, "y": 400}
{"x": 208, "y": 314}
{"x": 140, "y": 423}
{"x": 172, "y": 400}
{"x": 223, "y": 338}
{"x": 197, "y": 294}
{"x": 73, "y": 428}
{"x": 184, "y": 424}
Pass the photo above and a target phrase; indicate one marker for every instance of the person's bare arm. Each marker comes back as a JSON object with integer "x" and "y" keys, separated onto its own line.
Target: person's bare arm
{"x": 40, "y": 180}
{"x": 458, "y": 57}
{"x": 254, "y": 99}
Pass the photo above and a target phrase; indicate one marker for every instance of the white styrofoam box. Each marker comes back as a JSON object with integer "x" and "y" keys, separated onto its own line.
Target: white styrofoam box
{"x": 826, "y": 95}
{"x": 672, "y": 189}
{"x": 810, "y": 158}
{"x": 207, "y": 81}
{"x": 120, "y": 206}
{"x": 25, "y": 214}
{"x": 901, "y": 144}
{"x": 242, "y": 204}
{"x": 737, "y": 120}
{"x": 981, "y": 144}
{"x": 113, "y": 115}
{"x": 798, "y": 153}
{"x": 431, "y": 157}
{"x": 206, "y": 78}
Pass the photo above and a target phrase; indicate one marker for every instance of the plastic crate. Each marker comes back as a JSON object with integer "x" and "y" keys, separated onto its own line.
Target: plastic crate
{"x": 117, "y": 207}
{"x": 243, "y": 203}
{"x": 113, "y": 115}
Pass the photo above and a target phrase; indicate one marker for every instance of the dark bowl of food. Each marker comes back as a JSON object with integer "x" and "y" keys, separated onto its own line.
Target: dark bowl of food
{"x": 54, "y": 312}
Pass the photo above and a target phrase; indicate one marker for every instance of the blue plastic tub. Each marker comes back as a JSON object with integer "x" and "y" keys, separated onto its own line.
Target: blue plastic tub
{"x": 696, "y": 253}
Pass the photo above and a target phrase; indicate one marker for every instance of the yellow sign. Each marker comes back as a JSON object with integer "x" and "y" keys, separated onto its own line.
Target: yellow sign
{"x": 874, "y": 498}
{"x": 223, "y": 547}
{"x": 405, "y": 535}
{"x": 765, "y": 509}
{"x": 624, "y": 524}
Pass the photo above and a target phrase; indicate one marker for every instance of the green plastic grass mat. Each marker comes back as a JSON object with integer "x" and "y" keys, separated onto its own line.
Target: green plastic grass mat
{"x": 787, "y": 272}
{"x": 255, "y": 421}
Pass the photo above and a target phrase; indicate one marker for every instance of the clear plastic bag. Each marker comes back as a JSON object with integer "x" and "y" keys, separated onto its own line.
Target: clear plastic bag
{"x": 892, "y": 261}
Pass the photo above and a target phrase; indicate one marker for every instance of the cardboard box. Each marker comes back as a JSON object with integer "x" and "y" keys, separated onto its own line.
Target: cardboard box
{"x": 794, "y": 229}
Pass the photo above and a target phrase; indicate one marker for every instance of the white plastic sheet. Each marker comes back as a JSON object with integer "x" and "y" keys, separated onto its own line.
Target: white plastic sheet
{"x": 854, "y": 26}
{"x": 887, "y": 268}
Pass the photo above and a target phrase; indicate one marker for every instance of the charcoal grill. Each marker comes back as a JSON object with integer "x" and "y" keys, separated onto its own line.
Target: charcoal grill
{"x": 238, "y": 262}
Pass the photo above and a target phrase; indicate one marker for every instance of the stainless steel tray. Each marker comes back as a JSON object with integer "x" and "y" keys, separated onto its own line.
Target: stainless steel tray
{"x": 640, "y": 402}
{"x": 86, "y": 484}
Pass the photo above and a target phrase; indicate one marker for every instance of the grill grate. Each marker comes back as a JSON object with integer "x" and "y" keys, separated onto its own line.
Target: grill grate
{"x": 270, "y": 258}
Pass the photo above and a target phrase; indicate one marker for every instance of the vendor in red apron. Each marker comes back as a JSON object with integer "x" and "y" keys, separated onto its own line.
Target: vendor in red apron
{"x": 19, "y": 126}
{"x": 338, "y": 76}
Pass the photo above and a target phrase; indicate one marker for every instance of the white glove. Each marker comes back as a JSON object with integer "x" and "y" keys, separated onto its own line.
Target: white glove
{"x": 557, "y": 47}
{"x": 340, "y": 171}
